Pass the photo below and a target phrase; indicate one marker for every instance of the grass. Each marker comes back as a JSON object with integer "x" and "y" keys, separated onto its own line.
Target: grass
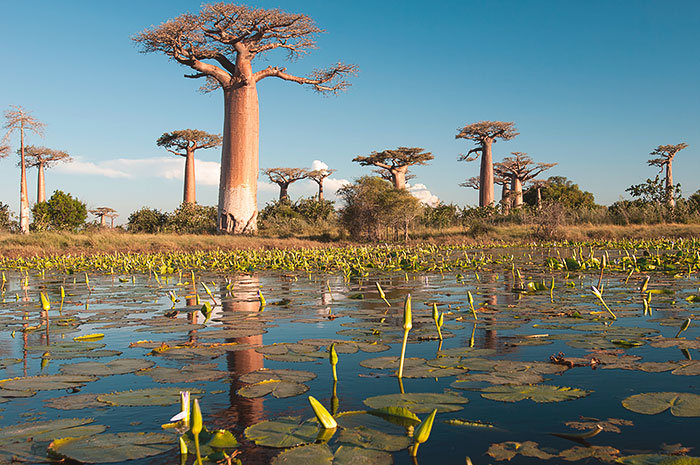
{"x": 54, "y": 243}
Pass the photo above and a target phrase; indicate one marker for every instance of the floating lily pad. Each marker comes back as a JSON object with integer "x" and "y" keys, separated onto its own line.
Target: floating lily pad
{"x": 419, "y": 402}
{"x": 398, "y": 415}
{"x": 384, "y": 363}
{"x": 690, "y": 368}
{"x": 658, "y": 459}
{"x": 6, "y": 362}
{"x": 283, "y": 432}
{"x": 115, "y": 367}
{"x": 278, "y": 389}
{"x": 114, "y": 447}
{"x": 611, "y": 424}
{"x": 682, "y": 404}
{"x": 602, "y": 453}
{"x": 46, "y": 382}
{"x": 367, "y": 438}
{"x": 509, "y": 449}
{"x": 48, "y": 430}
{"x": 8, "y": 394}
{"x": 189, "y": 373}
{"x": 264, "y": 374}
{"x": 537, "y": 393}
{"x": 142, "y": 397}
{"x": 465, "y": 381}
{"x": 75, "y": 402}
{"x": 321, "y": 454}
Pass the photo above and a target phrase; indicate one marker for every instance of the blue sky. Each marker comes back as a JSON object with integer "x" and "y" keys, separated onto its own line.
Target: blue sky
{"x": 594, "y": 86}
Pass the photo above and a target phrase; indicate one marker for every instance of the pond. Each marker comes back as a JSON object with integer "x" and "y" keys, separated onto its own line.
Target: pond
{"x": 538, "y": 371}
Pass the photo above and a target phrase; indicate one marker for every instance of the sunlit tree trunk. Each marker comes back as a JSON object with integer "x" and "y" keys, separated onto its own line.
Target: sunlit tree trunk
{"x": 320, "y": 191}
{"x": 539, "y": 198}
{"x": 669, "y": 185}
{"x": 517, "y": 193}
{"x": 190, "y": 195}
{"x": 486, "y": 195}
{"x": 41, "y": 187}
{"x": 239, "y": 161}
{"x": 23, "y": 196}
{"x": 284, "y": 188}
{"x": 399, "y": 177}
{"x": 505, "y": 198}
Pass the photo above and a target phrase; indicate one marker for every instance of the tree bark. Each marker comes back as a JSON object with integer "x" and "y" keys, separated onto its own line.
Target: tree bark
{"x": 102, "y": 221}
{"x": 283, "y": 191}
{"x": 190, "y": 195}
{"x": 505, "y": 198}
{"x": 486, "y": 195}
{"x": 320, "y": 190}
{"x": 23, "y": 195}
{"x": 669, "y": 185}
{"x": 399, "y": 177}
{"x": 238, "y": 184}
{"x": 41, "y": 187}
{"x": 539, "y": 198}
{"x": 517, "y": 192}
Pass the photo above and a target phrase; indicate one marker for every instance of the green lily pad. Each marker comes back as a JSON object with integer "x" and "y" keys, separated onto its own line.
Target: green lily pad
{"x": 8, "y": 394}
{"x": 75, "y": 402}
{"x": 113, "y": 447}
{"x": 682, "y": 404}
{"x": 115, "y": 367}
{"x": 48, "y": 430}
{"x": 283, "y": 432}
{"x": 537, "y": 393}
{"x": 189, "y": 373}
{"x": 6, "y": 362}
{"x": 467, "y": 380}
{"x": 142, "y": 397}
{"x": 279, "y": 389}
{"x": 509, "y": 449}
{"x": 264, "y": 374}
{"x": 320, "y": 454}
{"x": 658, "y": 459}
{"x": 419, "y": 402}
{"x": 385, "y": 363}
{"x": 602, "y": 453}
{"x": 367, "y": 438}
{"x": 398, "y": 415}
{"x": 46, "y": 382}
{"x": 690, "y": 368}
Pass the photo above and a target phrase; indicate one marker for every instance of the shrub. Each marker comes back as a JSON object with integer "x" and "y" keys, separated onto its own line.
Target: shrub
{"x": 192, "y": 218}
{"x": 7, "y": 223}
{"x": 60, "y": 212}
{"x": 147, "y": 220}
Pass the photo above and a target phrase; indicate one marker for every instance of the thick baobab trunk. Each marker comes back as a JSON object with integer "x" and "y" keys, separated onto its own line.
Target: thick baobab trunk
{"x": 41, "y": 187}
{"x": 399, "y": 177}
{"x": 517, "y": 192}
{"x": 486, "y": 196}
{"x": 102, "y": 221}
{"x": 238, "y": 211}
{"x": 189, "y": 195}
{"x": 539, "y": 198}
{"x": 320, "y": 191}
{"x": 505, "y": 198}
{"x": 23, "y": 195}
{"x": 283, "y": 191}
{"x": 669, "y": 185}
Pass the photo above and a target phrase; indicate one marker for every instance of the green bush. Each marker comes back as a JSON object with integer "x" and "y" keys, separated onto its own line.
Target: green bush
{"x": 7, "y": 223}
{"x": 192, "y": 218}
{"x": 61, "y": 212}
{"x": 147, "y": 220}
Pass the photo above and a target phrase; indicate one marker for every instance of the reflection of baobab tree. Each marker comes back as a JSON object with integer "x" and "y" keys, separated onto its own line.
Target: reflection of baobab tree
{"x": 484, "y": 337}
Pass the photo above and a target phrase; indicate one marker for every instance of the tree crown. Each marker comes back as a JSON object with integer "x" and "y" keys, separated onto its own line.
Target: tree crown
{"x": 521, "y": 167}
{"x": 19, "y": 118}
{"x": 485, "y": 131}
{"x": 285, "y": 176}
{"x": 396, "y": 159}
{"x": 102, "y": 211}
{"x": 319, "y": 175}
{"x": 188, "y": 140}
{"x": 665, "y": 154}
{"x": 43, "y": 156}
{"x": 232, "y": 36}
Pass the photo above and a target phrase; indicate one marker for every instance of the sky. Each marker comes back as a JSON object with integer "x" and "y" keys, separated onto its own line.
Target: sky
{"x": 593, "y": 86}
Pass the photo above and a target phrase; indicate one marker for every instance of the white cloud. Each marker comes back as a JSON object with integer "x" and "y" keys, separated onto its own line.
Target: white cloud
{"x": 92, "y": 169}
{"x": 331, "y": 185}
{"x": 318, "y": 165}
{"x": 422, "y": 193}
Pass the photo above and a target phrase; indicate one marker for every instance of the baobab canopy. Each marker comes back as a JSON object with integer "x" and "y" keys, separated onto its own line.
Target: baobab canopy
{"x": 219, "y": 44}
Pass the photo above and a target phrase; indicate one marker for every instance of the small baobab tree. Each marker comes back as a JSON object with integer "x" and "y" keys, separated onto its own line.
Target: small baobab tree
{"x": 506, "y": 200}
{"x": 19, "y": 119}
{"x": 184, "y": 143}
{"x": 394, "y": 164}
{"x": 519, "y": 169}
{"x": 485, "y": 134}
{"x": 664, "y": 159}
{"x": 283, "y": 177}
{"x": 319, "y": 176}
{"x": 474, "y": 183}
{"x": 219, "y": 44}
{"x": 101, "y": 213}
{"x": 111, "y": 217}
{"x": 41, "y": 158}
{"x": 538, "y": 185}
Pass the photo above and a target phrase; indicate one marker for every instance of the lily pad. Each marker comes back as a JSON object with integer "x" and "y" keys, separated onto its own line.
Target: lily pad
{"x": 419, "y": 402}
{"x": 278, "y": 389}
{"x": 263, "y": 374}
{"x": 682, "y": 404}
{"x": 602, "y": 453}
{"x": 112, "y": 447}
{"x": 509, "y": 449}
{"x": 48, "y": 430}
{"x": 189, "y": 373}
{"x": 537, "y": 393}
{"x": 283, "y": 432}
{"x": 398, "y": 415}
{"x": 115, "y": 367}
{"x": 46, "y": 382}
{"x": 385, "y": 363}
{"x": 368, "y": 438}
{"x": 75, "y": 402}
{"x": 320, "y": 454}
{"x": 659, "y": 459}
{"x": 142, "y": 397}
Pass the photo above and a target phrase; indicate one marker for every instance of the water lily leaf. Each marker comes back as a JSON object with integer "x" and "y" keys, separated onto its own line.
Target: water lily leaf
{"x": 426, "y": 371}
{"x": 398, "y": 415}
{"x": 383, "y": 363}
{"x": 292, "y": 357}
{"x": 48, "y": 430}
{"x": 46, "y": 382}
{"x": 87, "y": 354}
{"x": 478, "y": 364}
{"x": 279, "y": 389}
{"x": 603, "y": 453}
{"x": 537, "y": 393}
{"x": 509, "y": 449}
{"x": 6, "y": 362}
{"x": 115, "y": 367}
{"x": 690, "y": 368}
{"x": 367, "y": 438}
{"x": 465, "y": 381}
{"x": 419, "y": 402}
{"x": 655, "y": 367}
{"x": 658, "y": 459}
{"x": 264, "y": 374}
{"x": 540, "y": 368}
{"x": 142, "y": 397}
{"x": 8, "y": 394}
{"x": 372, "y": 347}
{"x": 283, "y": 432}
{"x": 466, "y": 352}
{"x": 112, "y": 447}
{"x": 682, "y": 404}
{"x": 347, "y": 455}
{"x": 312, "y": 454}
{"x": 189, "y": 373}
{"x": 609, "y": 425}
{"x": 75, "y": 402}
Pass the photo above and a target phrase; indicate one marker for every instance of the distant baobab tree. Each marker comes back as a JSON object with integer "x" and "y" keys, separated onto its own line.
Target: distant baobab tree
{"x": 184, "y": 143}
{"x": 506, "y": 200}
{"x": 220, "y": 43}
{"x": 485, "y": 134}
{"x": 20, "y": 119}
{"x": 395, "y": 163}
{"x": 283, "y": 177}
{"x": 665, "y": 154}
{"x": 111, "y": 217}
{"x": 319, "y": 176}
{"x": 101, "y": 212}
{"x": 519, "y": 169}
{"x": 41, "y": 158}
{"x": 474, "y": 182}
{"x": 538, "y": 184}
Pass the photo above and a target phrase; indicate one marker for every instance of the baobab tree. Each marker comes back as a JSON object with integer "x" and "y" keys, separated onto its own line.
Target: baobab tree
{"x": 184, "y": 143}
{"x": 220, "y": 43}
{"x": 41, "y": 158}
{"x": 474, "y": 182}
{"x": 665, "y": 154}
{"x": 506, "y": 200}
{"x": 283, "y": 177}
{"x": 394, "y": 164}
{"x": 319, "y": 176}
{"x": 519, "y": 169}
{"x": 101, "y": 212}
{"x": 20, "y": 119}
{"x": 111, "y": 217}
{"x": 485, "y": 134}
{"x": 538, "y": 184}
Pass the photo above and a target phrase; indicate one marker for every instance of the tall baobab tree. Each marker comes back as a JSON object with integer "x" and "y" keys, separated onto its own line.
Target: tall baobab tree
{"x": 665, "y": 154}
{"x": 220, "y": 43}
{"x": 319, "y": 176}
{"x": 20, "y": 119}
{"x": 519, "y": 169}
{"x": 395, "y": 163}
{"x": 283, "y": 177}
{"x": 41, "y": 158}
{"x": 111, "y": 217}
{"x": 506, "y": 200}
{"x": 101, "y": 212}
{"x": 538, "y": 184}
{"x": 485, "y": 134}
{"x": 184, "y": 143}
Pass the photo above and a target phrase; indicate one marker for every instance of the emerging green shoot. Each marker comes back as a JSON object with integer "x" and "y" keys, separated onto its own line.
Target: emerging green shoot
{"x": 322, "y": 415}
{"x": 261, "y": 297}
{"x": 471, "y": 303}
{"x": 381, "y": 293}
{"x": 208, "y": 291}
{"x": 598, "y": 294}
{"x": 333, "y": 358}
{"x": 422, "y": 432}
{"x": 407, "y": 325}
{"x": 684, "y": 326}
{"x": 438, "y": 320}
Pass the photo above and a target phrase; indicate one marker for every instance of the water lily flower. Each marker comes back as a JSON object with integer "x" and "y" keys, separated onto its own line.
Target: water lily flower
{"x": 407, "y": 325}
{"x": 322, "y": 415}
{"x": 422, "y": 432}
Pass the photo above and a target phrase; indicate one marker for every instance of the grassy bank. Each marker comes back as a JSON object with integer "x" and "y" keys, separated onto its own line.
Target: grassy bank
{"x": 45, "y": 244}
